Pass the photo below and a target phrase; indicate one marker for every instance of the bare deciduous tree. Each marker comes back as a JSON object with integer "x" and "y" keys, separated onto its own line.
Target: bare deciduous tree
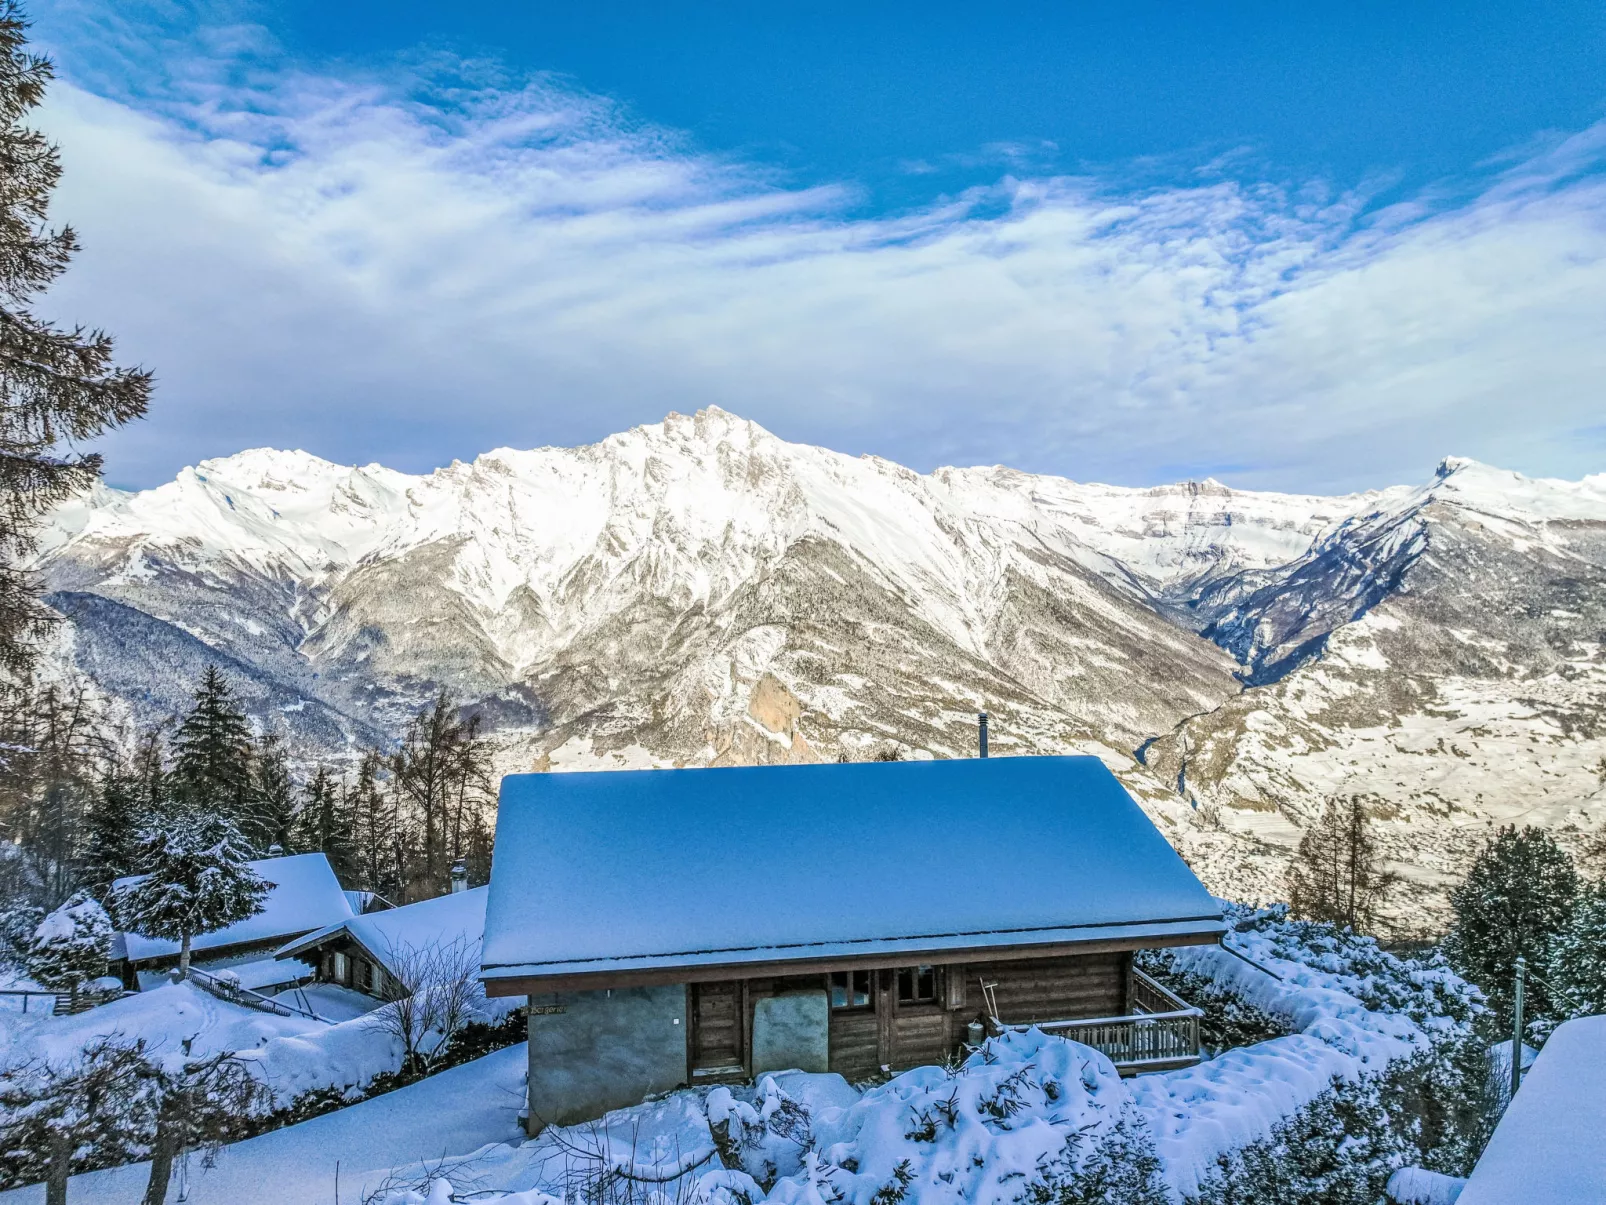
{"x": 435, "y": 988}
{"x": 1337, "y": 875}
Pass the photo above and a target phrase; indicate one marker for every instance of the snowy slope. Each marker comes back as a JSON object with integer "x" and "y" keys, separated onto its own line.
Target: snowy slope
{"x": 699, "y": 591}
{"x": 1461, "y": 681}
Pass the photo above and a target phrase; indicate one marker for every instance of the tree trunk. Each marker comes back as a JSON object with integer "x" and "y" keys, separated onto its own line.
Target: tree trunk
{"x": 184, "y": 958}
{"x": 162, "y": 1152}
{"x": 61, "y": 1146}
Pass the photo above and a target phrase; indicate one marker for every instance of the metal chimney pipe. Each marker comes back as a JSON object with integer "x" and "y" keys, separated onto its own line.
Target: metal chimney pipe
{"x": 981, "y": 731}
{"x": 459, "y": 876}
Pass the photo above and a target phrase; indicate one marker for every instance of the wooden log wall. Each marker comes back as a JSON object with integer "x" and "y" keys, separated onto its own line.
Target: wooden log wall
{"x": 1050, "y": 989}
{"x": 912, "y": 1035}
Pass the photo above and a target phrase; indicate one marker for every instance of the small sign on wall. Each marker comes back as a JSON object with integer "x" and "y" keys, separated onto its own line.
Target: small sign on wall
{"x": 547, "y": 1010}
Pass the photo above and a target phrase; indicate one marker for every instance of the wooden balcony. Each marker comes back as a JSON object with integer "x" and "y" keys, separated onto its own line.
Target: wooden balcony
{"x": 1161, "y": 1033}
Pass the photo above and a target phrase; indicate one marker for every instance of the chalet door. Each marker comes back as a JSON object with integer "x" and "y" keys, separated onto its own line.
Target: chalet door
{"x": 716, "y": 1034}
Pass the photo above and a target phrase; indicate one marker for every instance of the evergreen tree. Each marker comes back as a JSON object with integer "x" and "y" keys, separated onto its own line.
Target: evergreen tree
{"x": 47, "y": 781}
{"x": 1514, "y": 901}
{"x": 272, "y": 816}
{"x": 71, "y": 946}
{"x": 194, "y": 880}
{"x": 1337, "y": 874}
{"x": 322, "y": 826}
{"x": 374, "y": 830}
{"x": 1577, "y": 963}
{"x": 213, "y": 753}
{"x": 56, "y": 386}
{"x": 110, "y": 823}
{"x": 17, "y": 924}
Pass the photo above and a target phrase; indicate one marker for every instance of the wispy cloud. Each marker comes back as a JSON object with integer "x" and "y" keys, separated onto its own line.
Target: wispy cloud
{"x": 425, "y": 263}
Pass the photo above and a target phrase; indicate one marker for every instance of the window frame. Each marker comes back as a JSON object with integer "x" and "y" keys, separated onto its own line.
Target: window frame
{"x": 850, "y": 977}
{"x": 913, "y": 975}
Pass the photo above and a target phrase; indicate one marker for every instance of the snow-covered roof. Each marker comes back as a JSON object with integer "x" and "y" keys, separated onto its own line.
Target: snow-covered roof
{"x": 639, "y": 871}
{"x": 306, "y": 895}
{"x": 1540, "y": 1151}
{"x": 440, "y": 921}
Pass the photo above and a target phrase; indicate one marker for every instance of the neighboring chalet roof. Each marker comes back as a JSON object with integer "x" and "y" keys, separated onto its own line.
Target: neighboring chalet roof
{"x": 632, "y": 873}
{"x": 440, "y": 921}
{"x": 306, "y": 895}
{"x": 1540, "y": 1151}
{"x": 366, "y": 901}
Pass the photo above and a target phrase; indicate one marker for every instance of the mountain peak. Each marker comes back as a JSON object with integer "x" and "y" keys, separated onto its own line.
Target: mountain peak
{"x": 1451, "y": 465}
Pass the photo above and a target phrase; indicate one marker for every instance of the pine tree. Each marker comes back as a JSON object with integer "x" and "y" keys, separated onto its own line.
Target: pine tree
{"x": 48, "y": 780}
{"x": 56, "y": 386}
{"x": 272, "y": 817}
{"x": 212, "y": 766}
{"x": 323, "y": 826}
{"x": 18, "y": 920}
{"x": 1337, "y": 874}
{"x": 1577, "y": 961}
{"x": 110, "y": 823}
{"x": 1514, "y": 901}
{"x": 71, "y": 946}
{"x": 194, "y": 880}
{"x": 374, "y": 830}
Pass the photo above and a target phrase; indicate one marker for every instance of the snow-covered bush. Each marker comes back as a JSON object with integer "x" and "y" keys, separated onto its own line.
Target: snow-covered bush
{"x": 70, "y": 947}
{"x": 17, "y": 924}
{"x": 1407, "y": 1025}
{"x": 1029, "y": 1117}
{"x": 1338, "y": 1150}
{"x": 1229, "y": 1020}
{"x": 1425, "y": 989}
{"x": 766, "y": 1138}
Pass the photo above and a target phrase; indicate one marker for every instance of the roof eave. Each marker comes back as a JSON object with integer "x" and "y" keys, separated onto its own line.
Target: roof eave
{"x": 533, "y": 979}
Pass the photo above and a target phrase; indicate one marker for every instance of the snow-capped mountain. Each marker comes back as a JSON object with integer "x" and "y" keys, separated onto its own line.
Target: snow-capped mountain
{"x": 701, "y": 591}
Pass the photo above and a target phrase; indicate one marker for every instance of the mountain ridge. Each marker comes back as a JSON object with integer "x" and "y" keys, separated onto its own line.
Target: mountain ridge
{"x": 699, "y": 591}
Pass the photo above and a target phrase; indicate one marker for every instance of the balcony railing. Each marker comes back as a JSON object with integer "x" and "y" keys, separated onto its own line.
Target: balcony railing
{"x": 1162, "y": 1032}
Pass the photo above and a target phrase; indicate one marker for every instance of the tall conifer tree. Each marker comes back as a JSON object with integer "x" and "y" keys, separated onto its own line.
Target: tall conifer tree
{"x": 56, "y": 385}
{"x": 106, "y": 848}
{"x": 1515, "y": 900}
{"x": 213, "y": 753}
{"x": 324, "y": 825}
{"x": 271, "y": 817}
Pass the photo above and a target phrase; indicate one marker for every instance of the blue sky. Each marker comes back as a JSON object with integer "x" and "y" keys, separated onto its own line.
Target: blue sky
{"x": 1299, "y": 247}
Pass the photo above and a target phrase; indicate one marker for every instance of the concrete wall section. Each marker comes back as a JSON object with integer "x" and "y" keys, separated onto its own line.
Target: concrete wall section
{"x": 595, "y": 1051}
{"x": 792, "y": 1031}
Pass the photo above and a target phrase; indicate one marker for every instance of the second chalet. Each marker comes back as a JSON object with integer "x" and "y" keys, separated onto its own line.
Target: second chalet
{"x": 673, "y": 927}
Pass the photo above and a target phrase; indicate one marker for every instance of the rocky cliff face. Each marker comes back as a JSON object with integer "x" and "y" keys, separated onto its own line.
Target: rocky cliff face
{"x": 698, "y": 591}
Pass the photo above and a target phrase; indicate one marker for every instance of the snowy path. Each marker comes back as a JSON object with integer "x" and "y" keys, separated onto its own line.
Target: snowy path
{"x": 451, "y": 1114}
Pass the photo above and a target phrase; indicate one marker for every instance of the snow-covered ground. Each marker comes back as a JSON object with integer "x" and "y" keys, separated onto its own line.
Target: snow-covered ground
{"x": 291, "y": 1054}
{"x": 1026, "y": 1103}
{"x": 448, "y": 1115}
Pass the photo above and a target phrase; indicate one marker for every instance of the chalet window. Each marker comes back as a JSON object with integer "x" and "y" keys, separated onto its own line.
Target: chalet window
{"x": 850, "y": 989}
{"x": 338, "y": 972}
{"x": 917, "y": 985}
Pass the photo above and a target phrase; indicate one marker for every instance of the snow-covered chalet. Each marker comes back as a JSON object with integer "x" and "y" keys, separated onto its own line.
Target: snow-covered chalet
{"x": 304, "y": 896}
{"x": 367, "y": 953}
{"x": 675, "y": 927}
